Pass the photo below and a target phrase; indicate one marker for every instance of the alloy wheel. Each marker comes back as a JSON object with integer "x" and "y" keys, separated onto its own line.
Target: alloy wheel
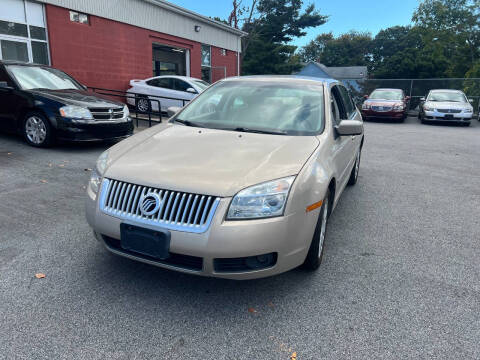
{"x": 35, "y": 130}
{"x": 142, "y": 105}
{"x": 323, "y": 228}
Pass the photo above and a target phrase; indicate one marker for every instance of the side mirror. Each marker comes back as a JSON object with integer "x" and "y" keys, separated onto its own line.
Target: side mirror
{"x": 407, "y": 98}
{"x": 365, "y": 97}
{"x": 4, "y": 85}
{"x": 349, "y": 127}
{"x": 422, "y": 99}
{"x": 471, "y": 100}
{"x": 172, "y": 110}
{"x": 192, "y": 91}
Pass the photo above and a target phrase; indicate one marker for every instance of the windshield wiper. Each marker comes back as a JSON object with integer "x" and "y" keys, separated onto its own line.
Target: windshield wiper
{"x": 189, "y": 123}
{"x": 257, "y": 131}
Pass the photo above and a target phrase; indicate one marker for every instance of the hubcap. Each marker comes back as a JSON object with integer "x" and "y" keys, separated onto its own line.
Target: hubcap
{"x": 35, "y": 130}
{"x": 357, "y": 164}
{"x": 142, "y": 105}
{"x": 323, "y": 227}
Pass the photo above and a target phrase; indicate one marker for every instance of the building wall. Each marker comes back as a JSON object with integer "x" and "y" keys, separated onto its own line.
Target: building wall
{"x": 229, "y": 61}
{"x": 158, "y": 16}
{"x": 108, "y": 54}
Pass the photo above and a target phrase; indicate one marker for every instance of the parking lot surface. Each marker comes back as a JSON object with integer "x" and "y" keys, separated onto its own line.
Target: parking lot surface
{"x": 400, "y": 277}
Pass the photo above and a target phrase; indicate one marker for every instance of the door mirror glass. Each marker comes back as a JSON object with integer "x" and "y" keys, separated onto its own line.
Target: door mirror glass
{"x": 191, "y": 90}
{"x": 172, "y": 110}
{"x": 4, "y": 85}
{"x": 422, "y": 99}
{"x": 349, "y": 127}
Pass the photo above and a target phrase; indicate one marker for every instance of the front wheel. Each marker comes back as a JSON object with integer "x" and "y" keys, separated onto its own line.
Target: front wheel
{"x": 316, "y": 250}
{"x": 143, "y": 105}
{"x": 356, "y": 167}
{"x": 37, "y": 130}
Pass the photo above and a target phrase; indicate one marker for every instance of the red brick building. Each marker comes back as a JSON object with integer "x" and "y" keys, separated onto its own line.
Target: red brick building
{"x": 106, "y": 43}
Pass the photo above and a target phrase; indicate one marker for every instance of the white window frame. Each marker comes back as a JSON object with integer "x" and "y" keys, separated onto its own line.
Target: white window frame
{"x": 29, "y": 39}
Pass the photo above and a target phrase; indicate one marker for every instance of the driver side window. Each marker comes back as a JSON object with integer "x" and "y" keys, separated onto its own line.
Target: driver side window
{"x": 338, "y": 108}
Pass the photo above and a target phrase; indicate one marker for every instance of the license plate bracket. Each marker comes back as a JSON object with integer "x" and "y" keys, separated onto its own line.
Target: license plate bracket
{"x": 144, "y": 240}
{"x": 449, "y": 116}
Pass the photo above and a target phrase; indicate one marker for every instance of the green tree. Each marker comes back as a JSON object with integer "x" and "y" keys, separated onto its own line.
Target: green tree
{"x": 455, "y": 26}
{"x": 350, "y": 49}
{"x": 277, "y": 23}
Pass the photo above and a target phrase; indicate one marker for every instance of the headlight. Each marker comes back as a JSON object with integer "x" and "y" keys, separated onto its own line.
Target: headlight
{"x": 398, "y": 107}
{"x": 468, "y": 111}
{"x": 428, "y": 108}
{"x": 97, "y": 173}
{"x": 76, "y": 112}
{"x": 261, "y": 201}
{"x": 95, "y": 181}
{"x": 126, "y": 112}
{"x": 365, "y": 106}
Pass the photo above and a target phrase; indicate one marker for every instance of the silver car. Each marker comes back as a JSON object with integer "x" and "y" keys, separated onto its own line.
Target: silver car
{"x": 446, "y": 105}
{"x": 239, "y": 184}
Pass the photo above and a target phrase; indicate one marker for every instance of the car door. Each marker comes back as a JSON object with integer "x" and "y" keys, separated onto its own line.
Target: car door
{"x": 343, "y": 145}
{"x": 10, "y": 102}
{"x": 163, "y": 91}
{"x": 181, "y": 87}
{"x": 351, "y": 114}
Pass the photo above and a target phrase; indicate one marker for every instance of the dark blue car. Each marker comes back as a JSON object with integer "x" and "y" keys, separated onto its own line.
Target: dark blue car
{"x": 45, "y": 105}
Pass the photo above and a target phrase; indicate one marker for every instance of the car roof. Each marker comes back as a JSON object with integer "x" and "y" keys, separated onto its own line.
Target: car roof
{"x": 289, "y": 78}
{"x": 188, "y": 78}
{"x": 389, "y": 89}
{"x": 446, "y": 90}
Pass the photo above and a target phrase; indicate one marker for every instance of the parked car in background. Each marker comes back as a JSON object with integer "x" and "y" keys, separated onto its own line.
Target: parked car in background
{"x": 45, "y": 104}
{"x": 446, "y": 105}
{"x": 238, "y": 185}
{"x": 168, "y": 90}
{"x": 390, "y": 104}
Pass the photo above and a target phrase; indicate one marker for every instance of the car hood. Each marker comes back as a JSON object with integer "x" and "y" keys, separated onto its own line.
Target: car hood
{"x": 207, "y": 161}
{"x": 77, "y": 97}
{"x": 448, "y": 105}
{"x": 384, "y": 102}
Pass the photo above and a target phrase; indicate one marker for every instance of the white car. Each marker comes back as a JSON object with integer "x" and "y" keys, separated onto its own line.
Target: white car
{"x": 446, "y": 105}
{"x": 168, "y": 90}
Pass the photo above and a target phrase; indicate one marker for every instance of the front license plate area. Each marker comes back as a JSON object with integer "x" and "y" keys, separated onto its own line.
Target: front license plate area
{"x": 449, "y": 117}
{"x": 150, "y": 242}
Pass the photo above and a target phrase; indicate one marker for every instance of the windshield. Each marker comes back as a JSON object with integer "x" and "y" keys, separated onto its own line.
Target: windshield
{"x": 36, "y": 77}
{"x": 386, "y": 95}
{"x": 201, "y": 84}
{"x": 447, "y": 96}
{"x": 281, "y": 107}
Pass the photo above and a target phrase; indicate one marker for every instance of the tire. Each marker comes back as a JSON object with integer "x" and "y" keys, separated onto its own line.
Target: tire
{"x": 356, "y": 167}
{"x": 317, "y": 246}
{"x": 143, "y": 105}
{"x": 37, "y": 130}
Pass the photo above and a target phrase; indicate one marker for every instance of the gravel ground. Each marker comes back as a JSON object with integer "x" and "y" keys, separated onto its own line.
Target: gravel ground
{"x": 400, "y": 278}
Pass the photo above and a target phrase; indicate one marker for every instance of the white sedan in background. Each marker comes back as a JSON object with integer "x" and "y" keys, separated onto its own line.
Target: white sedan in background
{"x": 169, "y": 90}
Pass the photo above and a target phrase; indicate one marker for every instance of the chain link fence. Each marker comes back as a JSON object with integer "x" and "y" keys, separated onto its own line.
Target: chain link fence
{"x": 415, "y": 88}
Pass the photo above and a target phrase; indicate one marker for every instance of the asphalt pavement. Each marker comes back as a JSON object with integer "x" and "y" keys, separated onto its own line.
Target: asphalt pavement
{"x": 400, "y": 277}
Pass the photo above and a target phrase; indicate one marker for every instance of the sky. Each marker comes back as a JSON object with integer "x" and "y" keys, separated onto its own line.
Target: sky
{"x": 345, "y": 15}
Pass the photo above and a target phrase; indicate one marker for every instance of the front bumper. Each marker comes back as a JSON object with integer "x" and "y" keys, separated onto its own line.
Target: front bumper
{"x": 101, "y": 131}
{"x": 287, "y": 237}
{"x": 458, "y": 117}
{"x": 372, "y": 114}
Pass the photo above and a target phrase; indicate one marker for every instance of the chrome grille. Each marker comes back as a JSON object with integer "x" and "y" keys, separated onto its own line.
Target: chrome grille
{"x": 177, "y": 211}
{"x": 106, "y": 113}
{"x": 449, "y": 111}
{"x": 381, "y": 108}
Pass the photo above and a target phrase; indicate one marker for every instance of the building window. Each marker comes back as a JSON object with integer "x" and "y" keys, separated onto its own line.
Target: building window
{"x": 23, "y": 34}
{"x": 206, "y": 64}
{"x": 78, "y": 17}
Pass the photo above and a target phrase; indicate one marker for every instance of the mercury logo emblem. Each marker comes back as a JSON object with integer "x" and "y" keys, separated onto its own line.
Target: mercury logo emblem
{"x": 149, "y": 204}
